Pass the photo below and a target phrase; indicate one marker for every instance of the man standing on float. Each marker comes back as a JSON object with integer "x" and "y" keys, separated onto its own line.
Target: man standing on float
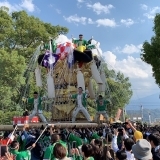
{"x": 81, "y": 41}
{"x": 36, "y": 102}
{"x": 101, "y": 107}
{"x": 81, "y": 104}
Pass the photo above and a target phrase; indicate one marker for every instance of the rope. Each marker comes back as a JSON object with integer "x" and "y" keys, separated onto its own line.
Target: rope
{"x": 30, "y": 68}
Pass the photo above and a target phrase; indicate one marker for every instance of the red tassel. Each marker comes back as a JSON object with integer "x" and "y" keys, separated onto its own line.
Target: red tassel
{"x": 80, "y": 64}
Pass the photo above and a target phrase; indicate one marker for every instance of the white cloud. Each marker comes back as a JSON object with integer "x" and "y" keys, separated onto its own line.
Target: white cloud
{"x": 144, "y": 6}
{"x": 90, "y": 21}
{"x": 127, "y": 22}
{"x": 76, "y": 19}
{"x": 58, "y": 11}
{"x": 28, "y": 5}
{"x": 142, "y": 20}
{"x": 150, "y": 12}
{"x": 139, "y": 73}
{"x": 51, "y": 5}
{"x": 84, "y": 20}
{"x": 54, "y": 8}
{"x": 80, "y": 1}
{"x": 131, "y": 67}
{"x": 129, "y": 49}
{"x": 110, "y": 58}
{"x": 106, "y": 22}
{"x": 98, "y": 8}
{"x": 25, "y": 4}
{"x": 11, "y": 7}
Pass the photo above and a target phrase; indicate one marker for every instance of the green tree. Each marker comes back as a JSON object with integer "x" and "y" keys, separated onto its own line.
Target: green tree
{"x": 12, "y": 67}
{"x": 20, "y": 35}
{"x": 119, "y": 90}
{"x": 22, "y": 32}
{"x": 6, "y": 28}
{"x": 151, "y": 50}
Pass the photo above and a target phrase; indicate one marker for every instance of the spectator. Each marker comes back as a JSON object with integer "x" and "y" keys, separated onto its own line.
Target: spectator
{"x": 14, "y": 147}
{"x": 121, "y": 155}
{"x": 154, "y": 140}
{"x": 137, "y": 134}
{"x": 128, "y": 143}
{"x": 108, "y": 153}
{"x": 142, "y": 150}
{"x": 60, "y": 152}
{"x": 87, "y": 152}
{"x": 55, "y": 138}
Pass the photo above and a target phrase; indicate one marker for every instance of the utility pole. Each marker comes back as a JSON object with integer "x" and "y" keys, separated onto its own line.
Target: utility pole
{"x": 149, "y": 116}
{"x": 142, "y": 113}
{"x": 124, "y": 114}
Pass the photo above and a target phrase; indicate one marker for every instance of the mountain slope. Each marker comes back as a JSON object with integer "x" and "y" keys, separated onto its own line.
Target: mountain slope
{"x": 149, "y": 102}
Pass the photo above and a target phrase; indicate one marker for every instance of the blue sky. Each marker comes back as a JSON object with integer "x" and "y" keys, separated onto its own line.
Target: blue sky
{"x": 121, "y": 26}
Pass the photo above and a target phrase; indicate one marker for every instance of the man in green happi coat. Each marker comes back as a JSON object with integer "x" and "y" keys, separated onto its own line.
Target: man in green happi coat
{"x": 81, "y": 104}
{"x": 81, "y": 41}
{"x": 101, "y": 107}
{"x": 48, "y": 154}
{"x": 36, "y": 103}
{"x": 14, "y": 149}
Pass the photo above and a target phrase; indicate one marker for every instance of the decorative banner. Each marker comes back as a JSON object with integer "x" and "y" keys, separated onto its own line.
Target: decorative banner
{"x": 38, "y": 77}
{"x": 49, "y": 59}
{"x": 118, "y": 114}
{"x": 95, "y": 73}
{"x": 102, "y": 87}
{"x": 91, "y": 90}
{"x": 64, "y": 49}
{"x": 50, "y": 86}
{"x": 80, "y": 80}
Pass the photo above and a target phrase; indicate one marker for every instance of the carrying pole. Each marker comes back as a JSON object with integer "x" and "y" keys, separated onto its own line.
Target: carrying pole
{"x": 56, "y": 125}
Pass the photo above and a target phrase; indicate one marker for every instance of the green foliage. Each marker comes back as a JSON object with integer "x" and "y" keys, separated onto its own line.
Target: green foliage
{"x": 22, "y": 32}
{"x": 5, "y": 26}
{"x": 151, "y": 50}
{"x": 119, "y": 90}
{"x": 20, "y": 35}
{"x": 6, "y": 117}
{"x": 12, "y": 67}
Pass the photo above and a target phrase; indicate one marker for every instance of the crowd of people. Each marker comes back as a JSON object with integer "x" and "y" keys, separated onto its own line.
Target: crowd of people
{"x": 126, "y": 141}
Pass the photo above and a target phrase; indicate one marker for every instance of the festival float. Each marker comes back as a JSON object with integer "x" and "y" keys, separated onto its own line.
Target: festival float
{"x": 65, "y": 66}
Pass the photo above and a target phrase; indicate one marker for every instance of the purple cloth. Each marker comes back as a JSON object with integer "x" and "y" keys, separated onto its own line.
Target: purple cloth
{"x": 49, "y": 60}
